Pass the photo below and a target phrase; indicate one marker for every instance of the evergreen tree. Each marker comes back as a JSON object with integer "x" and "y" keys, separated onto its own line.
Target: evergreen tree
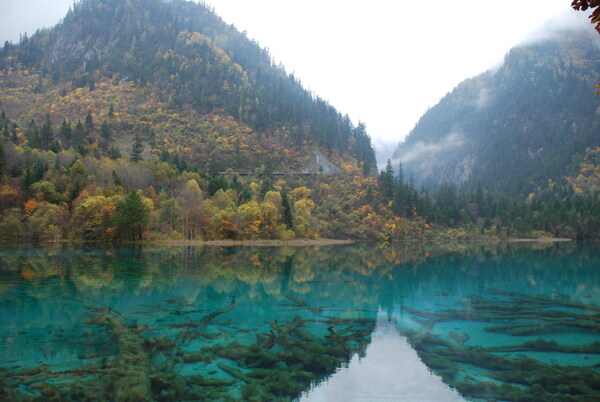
{"x": 105, "y": 131}
{"x": 113, "y": 153}
{"x": 89, "y": 123}
{"x": 79, "y": 132}
{"x": 38, "y": 170}
{"x": 400, "y": 174}
{"x": 66, "y": 130}
{"x": 131, "y": 216}
{"x": 46, "y": 134}
{"x": 2, "y": 161}
{"x": 216, "y": 183}
{"x": 32, "y": 133}
{"x": 26, "y": 180}
{"x": 386, "y": 181}
{"x": 116, "y": 179}
{"x": 244, "y": 195}
{"x": 288, "y": 214}
{"x": 136, "y": 149}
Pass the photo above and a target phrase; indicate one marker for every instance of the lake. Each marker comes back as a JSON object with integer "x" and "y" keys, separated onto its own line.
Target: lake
{"x": 408, "y": 322}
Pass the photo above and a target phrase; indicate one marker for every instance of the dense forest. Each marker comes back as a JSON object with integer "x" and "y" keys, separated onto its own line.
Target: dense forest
{"x": 151, "y": 120}
{"x": 569, "y": 208}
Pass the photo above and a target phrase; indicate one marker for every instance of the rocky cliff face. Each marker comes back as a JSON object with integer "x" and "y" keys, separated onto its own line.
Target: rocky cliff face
{"x": 320, "y": 164}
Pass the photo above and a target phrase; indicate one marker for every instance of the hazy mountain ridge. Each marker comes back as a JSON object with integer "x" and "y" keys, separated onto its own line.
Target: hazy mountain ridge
{"x": 514, "y": 128}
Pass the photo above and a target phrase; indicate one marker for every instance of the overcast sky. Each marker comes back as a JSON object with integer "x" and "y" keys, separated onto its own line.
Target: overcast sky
{"x": 383, "y": 62}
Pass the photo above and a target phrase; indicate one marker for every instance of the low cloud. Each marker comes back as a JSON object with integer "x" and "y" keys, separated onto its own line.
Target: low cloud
{"x": 483, "y": 98}
{"x": 423, "y": 150}
{"x": 555, "y": 27}
{"x": 384, "y": 150}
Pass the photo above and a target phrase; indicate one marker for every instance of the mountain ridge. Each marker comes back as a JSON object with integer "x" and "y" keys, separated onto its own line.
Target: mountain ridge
{"x": 129, "y": 120}
{"x": 503, "y": 128}
{"x": 192, "y": 60}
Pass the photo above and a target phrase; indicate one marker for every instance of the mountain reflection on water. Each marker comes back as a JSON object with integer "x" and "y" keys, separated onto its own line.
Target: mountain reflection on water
{"x": 410, "y": 322}
{"x": 390, "y": 370}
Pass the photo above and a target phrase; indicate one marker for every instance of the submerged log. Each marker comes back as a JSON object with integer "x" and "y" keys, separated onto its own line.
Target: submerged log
{"x": 542, "y": 345}
{"x": 131, "y": 360}
{"x": 187, "y": 333}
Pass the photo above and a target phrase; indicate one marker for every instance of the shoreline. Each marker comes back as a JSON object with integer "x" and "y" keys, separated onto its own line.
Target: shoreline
{"x": 255, "y": 243}
{"x": 541, "y": 240}
{"x": 310, "y": 242}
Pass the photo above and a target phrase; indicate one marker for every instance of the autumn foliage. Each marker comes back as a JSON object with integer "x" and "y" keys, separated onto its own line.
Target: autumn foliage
{"x": 584, "y": 5}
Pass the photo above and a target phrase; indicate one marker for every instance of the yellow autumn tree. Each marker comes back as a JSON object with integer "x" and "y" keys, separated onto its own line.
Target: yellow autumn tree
{"x": 190, "y": 198}
{"x": 272, "y": 212}
{"x": 305, "y": 224}
{"x": 93, "y": 218}
{"x": 249, "y": 220}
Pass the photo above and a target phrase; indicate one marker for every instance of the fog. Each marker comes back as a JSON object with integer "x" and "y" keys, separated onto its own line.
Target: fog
{"x": 552, "y": 28}
{"x": 429, "y": 150}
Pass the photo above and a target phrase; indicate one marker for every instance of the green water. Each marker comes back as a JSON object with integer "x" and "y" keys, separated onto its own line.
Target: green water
{"x": 411, "y": 322}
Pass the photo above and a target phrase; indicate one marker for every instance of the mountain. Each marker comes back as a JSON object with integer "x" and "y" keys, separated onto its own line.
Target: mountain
{"x": 150, "y": 119}
{"x": 177, "y": 75}
{"x": 512, "y": 129}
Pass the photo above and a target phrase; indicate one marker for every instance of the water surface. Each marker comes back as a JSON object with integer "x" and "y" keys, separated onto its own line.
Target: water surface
{"x": 511, "y": 322}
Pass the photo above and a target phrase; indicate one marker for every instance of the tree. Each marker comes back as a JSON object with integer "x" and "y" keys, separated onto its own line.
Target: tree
{"x": 46, "y": 134}
{"x": 105, "y": 131}
{"x": 216, "y": 183}
{"x": 136, "y": 149}
{"x": 288, "y": 214}
{"x": 45, "y": 190}
{"x": 33, "y": 134}
{"x": 92, "y": 218}
{"x": 66, "y": 130}
{"x": 386, "y": 181}
{"x": 249, "y": 220}
{"x": 131, "y": 216}
{"x": 113, "y": 153}
{"x": 11, "y": 228}
{"x": 2, "y": 161}
{"x": 190, "y": 198}
{"x": 89, "y": 123}
{"x": 79, "y": 132}
{"x": 584, "y": 5}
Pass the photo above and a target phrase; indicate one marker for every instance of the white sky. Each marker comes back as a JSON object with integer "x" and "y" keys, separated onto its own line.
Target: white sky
{"x": 383, "y": 62}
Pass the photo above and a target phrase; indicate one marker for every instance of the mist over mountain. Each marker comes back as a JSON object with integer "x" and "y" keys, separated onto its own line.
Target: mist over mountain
{"x": 514, "y": 128}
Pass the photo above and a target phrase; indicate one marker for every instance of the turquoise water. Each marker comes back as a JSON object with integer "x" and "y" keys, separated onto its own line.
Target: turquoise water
{"x": 513, "y": 322}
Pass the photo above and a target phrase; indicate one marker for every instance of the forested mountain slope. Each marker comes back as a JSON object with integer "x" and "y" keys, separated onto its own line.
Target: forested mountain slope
{"x": 155, "y": 119}
{"x": 513, "y": 129}
{"x": 165, "y": 70}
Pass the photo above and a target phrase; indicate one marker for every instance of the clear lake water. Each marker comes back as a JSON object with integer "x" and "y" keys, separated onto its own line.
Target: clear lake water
{"x": 409, "y": 322}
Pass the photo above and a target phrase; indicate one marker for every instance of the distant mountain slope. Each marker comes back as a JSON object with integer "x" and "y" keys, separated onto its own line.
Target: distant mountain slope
{"x": 514, "y": 128}
{"x": 183, "y": 63}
